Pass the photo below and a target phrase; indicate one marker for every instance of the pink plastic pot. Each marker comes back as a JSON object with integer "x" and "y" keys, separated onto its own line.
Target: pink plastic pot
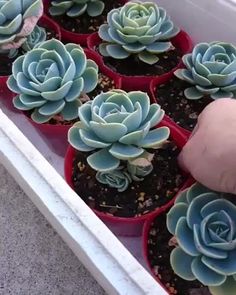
{"x": 154, "y": 97}
{"x": 45, "y": 22}
{"x": 56, "y": 135}
{"x": 70, "y": 36}
{"x": 181, "y": 41}
{"x": 120, "y": 225}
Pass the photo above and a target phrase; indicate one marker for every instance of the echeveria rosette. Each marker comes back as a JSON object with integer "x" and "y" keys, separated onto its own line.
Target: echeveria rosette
{"x": 138, "y": 28}
{"x": 204, "y": 224}
{"x": 37, "y": 36}
{"x": 17, "y": 21}
{"x": 75, "y": 8}
{"x": 211, "y": 68}
{"x": 117, "y": 178}
{"x": 50, "y": 78}
{"x": 116, "y": 125}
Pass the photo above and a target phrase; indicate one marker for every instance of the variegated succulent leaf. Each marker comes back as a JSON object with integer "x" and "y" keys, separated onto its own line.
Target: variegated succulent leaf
{"x": 50, "y": 78}
{"x": 75, "y": 8}
{"x": 137, "y": 28}
{"x": 37, "y": 36}
{"x": 140, "y": 167}
{"x": 204, "y": 224}
{"x": 17, "y": 21}
{"x": 120, "y": 126}
{"x": 211, "y": 69}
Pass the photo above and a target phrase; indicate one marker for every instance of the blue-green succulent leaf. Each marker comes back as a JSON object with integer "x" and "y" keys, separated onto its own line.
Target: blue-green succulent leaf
{"x": 125, "y": 152}
{"x": 103, "y": 161}
{"x": 76, "y": 141}
{"x": 205, "y": 275}
{"x": 173, "y": 216}
{"x": 185, "y": 237}
{"x": 183, "y": 270}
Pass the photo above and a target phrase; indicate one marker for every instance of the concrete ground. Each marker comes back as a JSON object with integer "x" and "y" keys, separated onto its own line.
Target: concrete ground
{"x": 33, "y": 258}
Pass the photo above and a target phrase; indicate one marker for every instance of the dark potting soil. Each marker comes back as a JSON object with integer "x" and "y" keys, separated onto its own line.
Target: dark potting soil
{"x": 133, "y": 66}
{"x": 159, "y": 249}
{"x": 157, "y": 189}
{"x": 6, "y": 62}
{"x": 86, "y": 24}
{"x": 182, "y": 110}
{"x": 104, "y": 84}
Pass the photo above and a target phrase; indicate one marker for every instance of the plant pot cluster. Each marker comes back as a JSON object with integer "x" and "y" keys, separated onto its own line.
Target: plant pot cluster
{"x": 125, "y": 93}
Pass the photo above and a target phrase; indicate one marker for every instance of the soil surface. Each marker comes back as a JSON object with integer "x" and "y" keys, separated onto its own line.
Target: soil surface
{"x": 159, "y": 249}
{"x": 85, "y": 24}
{"x": 133, "y": 66}
{"x": 183, "y": 111}
{"x": 157, "y": 189}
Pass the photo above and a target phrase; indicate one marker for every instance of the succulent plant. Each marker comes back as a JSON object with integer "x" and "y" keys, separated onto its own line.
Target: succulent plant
{"x": 204, "y": 224}
{"x": 115, "y": 178}
{"x": 211, "y": 68}
{"x": 17, "y": 21}
{"x": 50, "y": 78}
{"x": 74, "y": 8}
{"x": 37, "y": 36}
{"x": 117, "y": 124}
{"x": 138, "y": 28}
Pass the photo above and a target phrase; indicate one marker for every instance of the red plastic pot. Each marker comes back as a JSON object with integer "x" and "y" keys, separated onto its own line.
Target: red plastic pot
{"x": 45, "y": 22}
{"x": 181, "y": 41}
{"x": 146, "y": 231}
{"x": 56, "y": 135}
{"x": 70, "y": 36}
{"x": 154, "y": 97}
{"x": 120, "y": 225}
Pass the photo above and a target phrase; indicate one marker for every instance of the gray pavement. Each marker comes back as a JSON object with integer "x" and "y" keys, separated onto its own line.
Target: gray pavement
{"x": 33, "y": 258}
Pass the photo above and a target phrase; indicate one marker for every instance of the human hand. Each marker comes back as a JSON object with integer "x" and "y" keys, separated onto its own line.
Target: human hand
{"x": 210, "y": 153}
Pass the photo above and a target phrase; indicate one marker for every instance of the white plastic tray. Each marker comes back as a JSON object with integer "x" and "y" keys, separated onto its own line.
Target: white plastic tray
{"x": 112, "y": 265}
